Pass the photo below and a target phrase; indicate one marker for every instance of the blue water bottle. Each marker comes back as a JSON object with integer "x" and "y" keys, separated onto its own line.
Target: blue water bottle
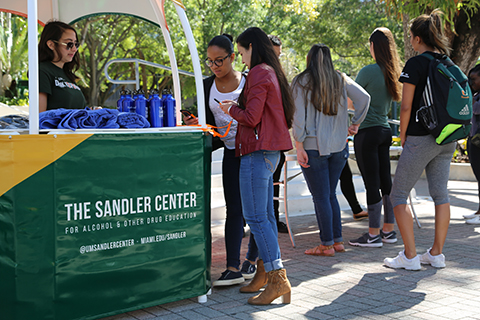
{"x": 155, "y": 110}
{"x": 128, "y": 103}
{"x": 141, "y": 104}
{"x": 170, "y": 116}
{"x": 134, "y": 98}
{"x": 120, "y": 101}
{"x": 163, "y": 97}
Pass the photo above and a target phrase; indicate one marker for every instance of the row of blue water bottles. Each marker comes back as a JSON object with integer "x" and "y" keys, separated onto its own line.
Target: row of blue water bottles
{"x": 160, "y": 112}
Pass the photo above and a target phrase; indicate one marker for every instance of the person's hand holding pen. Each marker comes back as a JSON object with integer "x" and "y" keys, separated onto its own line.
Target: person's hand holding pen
{"x": 226, "y": 104}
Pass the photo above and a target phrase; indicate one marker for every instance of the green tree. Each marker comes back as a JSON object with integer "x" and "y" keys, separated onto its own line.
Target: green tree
{"x": 345, "y": 27}
{"x": 102, "y": 38}
{"x": 13, "y": 46}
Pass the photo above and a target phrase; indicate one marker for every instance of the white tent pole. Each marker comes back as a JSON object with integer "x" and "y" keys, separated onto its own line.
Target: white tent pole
{"x": 33, "y": 66}
{"x": 157, "y": 4}
{"x": 55, "y": 12}
{"x": 197, "y": 70}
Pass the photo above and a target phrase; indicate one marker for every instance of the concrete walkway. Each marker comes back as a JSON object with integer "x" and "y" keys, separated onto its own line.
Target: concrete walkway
{"x": 355, "y": 284}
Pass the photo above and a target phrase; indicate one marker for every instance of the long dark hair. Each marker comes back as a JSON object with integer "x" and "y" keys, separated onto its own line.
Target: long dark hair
{"x": 430, "y": 29}
{"x": 386, "y": 56}
{"x": 263, "y": 52}
{"x": 320, "y": 81}
{"x": 54, "y": 30}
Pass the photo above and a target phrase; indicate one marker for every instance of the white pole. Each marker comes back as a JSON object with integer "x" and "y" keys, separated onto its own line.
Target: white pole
{"x": 197, "y": 70}
{"x": 157, "y": 4}
{"x": 55, "y": 12}
{"x": 33, "y": 66}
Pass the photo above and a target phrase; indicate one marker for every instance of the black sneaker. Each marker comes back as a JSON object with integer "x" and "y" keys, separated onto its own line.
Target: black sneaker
{"x": 367, "y": 241}
{"x": 229, "y": 278}
{"x": 282, "y": 227}
{"x": 390, "y": 237}
{"x": 248, "y": 270}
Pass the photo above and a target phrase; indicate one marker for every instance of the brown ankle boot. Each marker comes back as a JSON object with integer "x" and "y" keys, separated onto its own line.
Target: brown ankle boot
{"x": 259, "y": 280}
{"x": 278, "y": 286}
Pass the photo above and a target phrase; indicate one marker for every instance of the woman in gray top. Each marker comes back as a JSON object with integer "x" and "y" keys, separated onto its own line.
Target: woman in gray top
{"x": 320, "y": 130}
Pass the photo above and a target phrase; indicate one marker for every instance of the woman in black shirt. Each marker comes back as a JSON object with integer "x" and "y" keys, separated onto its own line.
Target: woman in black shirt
{"x": 420, "y": 150}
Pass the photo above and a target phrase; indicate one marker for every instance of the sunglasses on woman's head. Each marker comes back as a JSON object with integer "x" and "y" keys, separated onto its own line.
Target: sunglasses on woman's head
{"x": 69, "y": 45}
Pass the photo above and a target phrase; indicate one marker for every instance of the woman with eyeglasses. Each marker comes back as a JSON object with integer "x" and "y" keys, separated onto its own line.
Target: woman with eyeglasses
{"x": 264, "y": 112}
{"x": 58, "y": 59}
{"x": 226, "y": 84}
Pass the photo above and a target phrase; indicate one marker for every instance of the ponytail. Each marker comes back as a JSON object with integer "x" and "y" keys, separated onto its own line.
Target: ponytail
{"x": 430, "y": 29}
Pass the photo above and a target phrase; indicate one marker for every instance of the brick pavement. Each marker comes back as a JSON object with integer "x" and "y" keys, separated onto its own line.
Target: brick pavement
{"x": 355, "y": 284}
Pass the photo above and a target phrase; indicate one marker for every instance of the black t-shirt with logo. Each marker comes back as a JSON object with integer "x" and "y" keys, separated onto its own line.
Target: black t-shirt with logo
{"x": 415, "y": 72}
{"x": 60, "y": 90}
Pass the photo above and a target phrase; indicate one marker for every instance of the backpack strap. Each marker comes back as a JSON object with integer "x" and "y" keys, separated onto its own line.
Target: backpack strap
{"x": 427, "y": 55}
{"x": 444, "y": 59}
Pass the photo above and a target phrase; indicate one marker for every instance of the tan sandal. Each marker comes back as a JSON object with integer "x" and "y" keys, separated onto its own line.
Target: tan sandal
{"x": 360, "y": 216}
{"x": 321, "y": 250}
{"x": 339, "y": 247}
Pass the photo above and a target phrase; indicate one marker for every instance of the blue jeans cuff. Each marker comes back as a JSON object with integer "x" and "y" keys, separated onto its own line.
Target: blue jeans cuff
{"x": 273, "y": 265}
{"x": 338, "y": 239}
{"x": 328, "y": 243}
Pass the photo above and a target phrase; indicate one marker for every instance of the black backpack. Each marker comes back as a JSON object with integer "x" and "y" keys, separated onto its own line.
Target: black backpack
{"x": 447, "y": 101}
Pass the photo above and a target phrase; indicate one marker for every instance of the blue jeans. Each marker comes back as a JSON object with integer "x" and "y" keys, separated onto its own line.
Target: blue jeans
{"x": 322, "y": 177}
{"x": 256, "y": 189}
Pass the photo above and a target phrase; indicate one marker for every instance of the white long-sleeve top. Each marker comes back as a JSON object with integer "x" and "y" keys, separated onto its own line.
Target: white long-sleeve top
{"x": 327, "y": 134}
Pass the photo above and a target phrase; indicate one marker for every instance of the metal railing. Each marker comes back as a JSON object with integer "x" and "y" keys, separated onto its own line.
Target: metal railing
{"x": 138, "y": 62}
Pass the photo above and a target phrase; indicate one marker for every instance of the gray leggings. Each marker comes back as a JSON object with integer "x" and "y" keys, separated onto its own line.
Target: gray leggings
{"x": 422, "y": 152}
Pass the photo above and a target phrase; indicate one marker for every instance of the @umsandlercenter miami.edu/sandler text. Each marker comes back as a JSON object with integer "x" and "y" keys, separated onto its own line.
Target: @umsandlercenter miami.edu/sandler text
{"x": 131, "y": 242}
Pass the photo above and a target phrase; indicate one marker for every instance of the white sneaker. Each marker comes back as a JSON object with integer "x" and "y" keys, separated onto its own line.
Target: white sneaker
{"x": 401, "y": 261}
{"x": 471, "y": 216}
{"x": 475, "y": 220}
{"x": 437, "y": 261}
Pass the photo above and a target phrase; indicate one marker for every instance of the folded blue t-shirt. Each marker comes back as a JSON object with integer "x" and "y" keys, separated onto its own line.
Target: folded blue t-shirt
{"x": 73, "y": 119}
{"x": 105, "y": 118}
{"x": 51, "y": 119}
{"x": 132, "y": 120}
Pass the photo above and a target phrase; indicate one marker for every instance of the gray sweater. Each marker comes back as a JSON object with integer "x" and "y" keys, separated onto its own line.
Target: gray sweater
{"x": 328, "y": 134}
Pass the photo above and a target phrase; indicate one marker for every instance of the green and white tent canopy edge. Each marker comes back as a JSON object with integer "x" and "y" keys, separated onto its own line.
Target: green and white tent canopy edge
{"x": 73, "y": 10}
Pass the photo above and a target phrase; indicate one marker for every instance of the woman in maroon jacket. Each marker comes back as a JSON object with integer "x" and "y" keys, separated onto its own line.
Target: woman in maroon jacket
{"x": 264, "y": 113}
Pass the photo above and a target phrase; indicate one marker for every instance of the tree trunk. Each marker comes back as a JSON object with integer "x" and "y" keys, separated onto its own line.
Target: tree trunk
{"x": 93, "y": 75}
{"x": 409, "y": 52}
{"x": 466, "y": 44}
{"x": 144, "y": 75}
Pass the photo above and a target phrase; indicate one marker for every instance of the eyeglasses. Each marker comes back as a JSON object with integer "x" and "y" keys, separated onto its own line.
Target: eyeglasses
{"x": 218, "y": 62}
{"x": 69, "y": 45}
